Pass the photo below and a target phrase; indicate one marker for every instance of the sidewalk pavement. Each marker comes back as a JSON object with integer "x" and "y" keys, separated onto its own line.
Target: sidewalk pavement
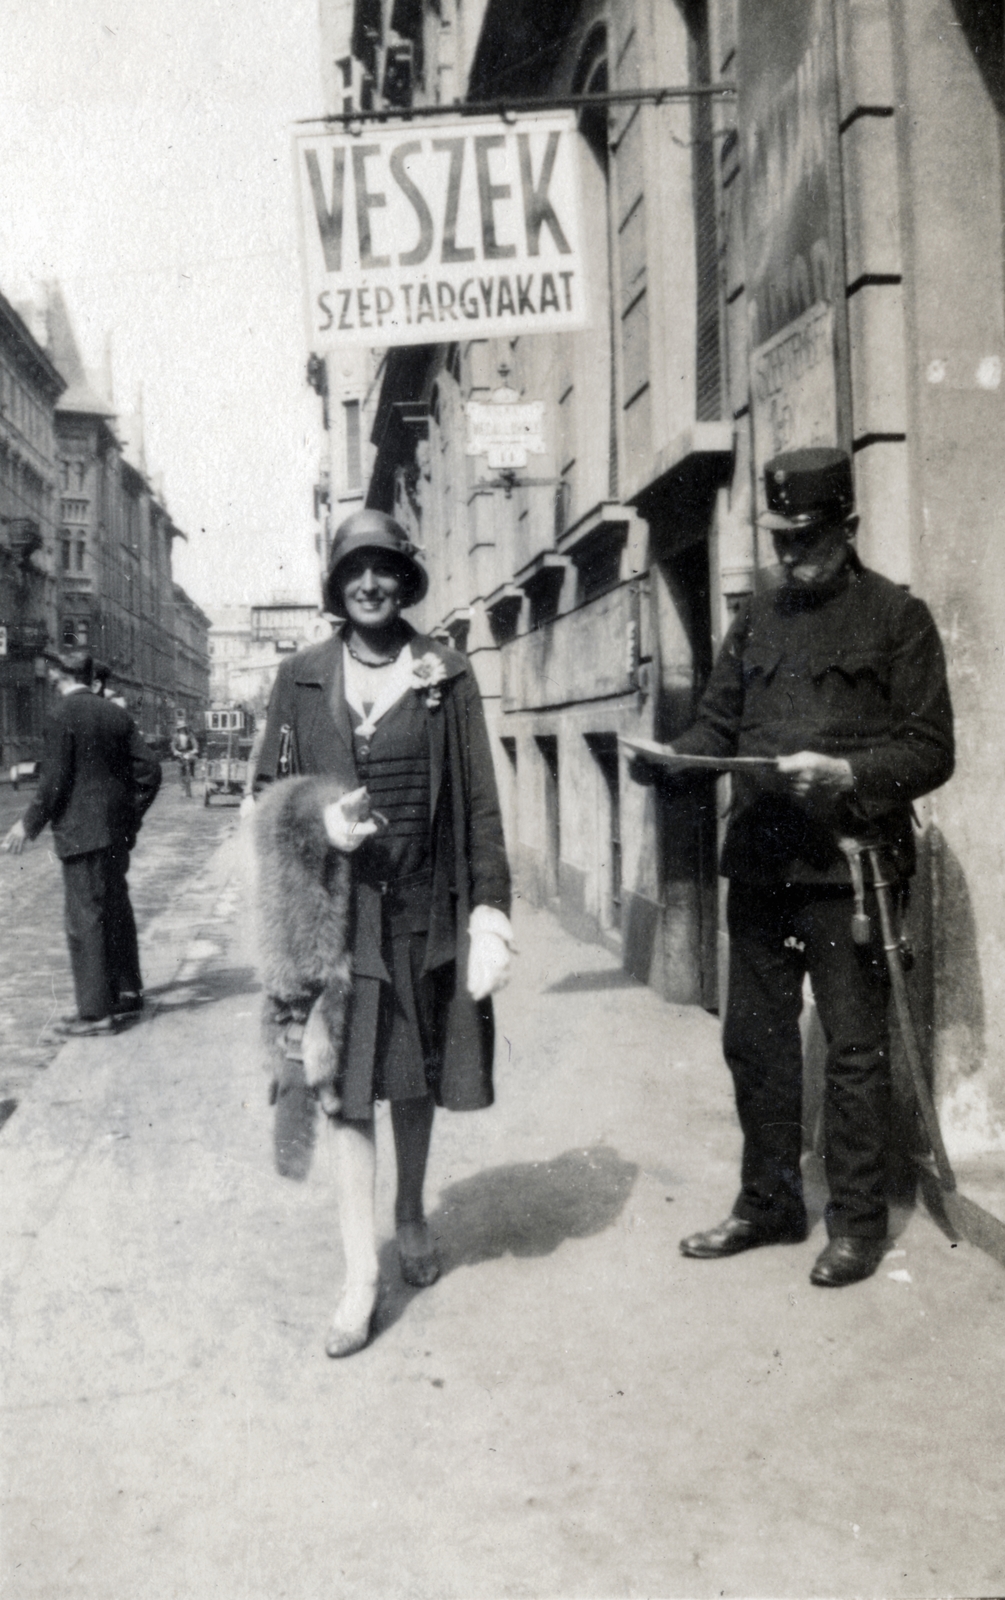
{"x": 573, "y": 1410}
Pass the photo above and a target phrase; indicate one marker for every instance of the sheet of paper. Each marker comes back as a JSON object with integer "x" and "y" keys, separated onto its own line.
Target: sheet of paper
{"x": 664, "y": 755}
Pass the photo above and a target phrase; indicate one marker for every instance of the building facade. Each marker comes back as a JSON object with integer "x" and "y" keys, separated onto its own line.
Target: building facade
{"x": 191, "y": 659}
{"x": 247, "y": 644}
{"x": 116, "y": 595}
{"x": 30, "y": 385}
{"x": 814, "y": 254}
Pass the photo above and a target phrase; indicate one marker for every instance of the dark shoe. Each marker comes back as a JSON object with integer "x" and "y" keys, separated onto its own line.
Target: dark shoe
{"x": 89, "y": 1028}
{"x": 736, "y": 1234}
{"x": 847, "y": 1260}
{"x": 420, "y": 1271}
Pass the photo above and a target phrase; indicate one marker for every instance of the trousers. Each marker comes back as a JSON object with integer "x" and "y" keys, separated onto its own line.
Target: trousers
{"x": 100, "y": 930}
{"x": 777, "y": 934}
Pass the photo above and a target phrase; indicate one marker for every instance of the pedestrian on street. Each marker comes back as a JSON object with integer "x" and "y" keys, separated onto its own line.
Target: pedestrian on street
{"x": 396, "y": 719}
{"x": 101, "y": 685}
{"x": 840, "y": 675}
{"x": 184, "y": 749}
{"x": 97, "y": 780}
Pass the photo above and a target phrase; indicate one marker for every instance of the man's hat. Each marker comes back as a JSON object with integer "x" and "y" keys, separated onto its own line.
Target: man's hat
{"x": 807, "y": 489}
{"x": 375, "y": 530}
{"x": 75, "y": 663}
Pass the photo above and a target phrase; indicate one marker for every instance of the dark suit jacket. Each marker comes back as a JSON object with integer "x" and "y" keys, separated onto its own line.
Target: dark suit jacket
{"x": 857, "y": 672}
{"x": 469, "y": 864}
{"x": 98, "y": 777}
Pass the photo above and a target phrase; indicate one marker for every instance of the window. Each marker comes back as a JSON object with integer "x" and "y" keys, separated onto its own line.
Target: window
{"x": 605, "y": 751}
{"x": 83, "y": 631}
{"x": 548, "y": 746}
{"x": 69, "y": 633}
{"x": 353, "y": 453}
{"x": 66, "y": 555}
{"x": 22, "y": 710}
{"x": 81, "y": 547}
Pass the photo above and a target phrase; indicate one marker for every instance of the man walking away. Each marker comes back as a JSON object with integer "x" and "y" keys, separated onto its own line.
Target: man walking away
{"x": 838, "y": 676}
{"x": 98, "y": 779}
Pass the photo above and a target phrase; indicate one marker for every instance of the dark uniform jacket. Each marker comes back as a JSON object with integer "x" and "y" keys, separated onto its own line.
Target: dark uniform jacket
{"x": 98, "y": 777}
{"x": 858, "y": 672}
{"x": 469, "y": 864}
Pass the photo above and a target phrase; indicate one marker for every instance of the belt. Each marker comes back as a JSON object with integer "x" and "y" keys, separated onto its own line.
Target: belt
{"x": 394, "y": 906}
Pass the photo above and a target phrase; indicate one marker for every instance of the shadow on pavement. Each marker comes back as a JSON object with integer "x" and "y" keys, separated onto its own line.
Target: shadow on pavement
{"x": 524, "y": 1209}
{"x": 581, "y": 982}
{"x": 218, "y": 983}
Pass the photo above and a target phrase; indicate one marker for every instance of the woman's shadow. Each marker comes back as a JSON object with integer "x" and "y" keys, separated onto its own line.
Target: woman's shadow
{"x": 522, "y": 1209}
{"x": 526, "y": 1208}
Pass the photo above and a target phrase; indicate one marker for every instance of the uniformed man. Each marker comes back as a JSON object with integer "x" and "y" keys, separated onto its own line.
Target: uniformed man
{"x": 839, "y": 674}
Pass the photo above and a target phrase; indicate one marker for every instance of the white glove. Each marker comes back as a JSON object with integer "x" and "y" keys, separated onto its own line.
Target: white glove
{"x": 348, "y": 823}
{"x": 488, "y": 957}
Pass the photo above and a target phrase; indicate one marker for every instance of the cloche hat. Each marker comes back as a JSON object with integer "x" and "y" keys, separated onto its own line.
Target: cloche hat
{"x": 375, "y": 530}
{"x": 807, "y": 489}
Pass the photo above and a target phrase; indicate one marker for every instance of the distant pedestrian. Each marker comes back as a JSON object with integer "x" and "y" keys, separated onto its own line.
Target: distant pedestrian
{"x": 102, "y": 687}
{"x": 184, "y": 749}
{"x": 98, "y": 778}
{"x": 380, "y": 714}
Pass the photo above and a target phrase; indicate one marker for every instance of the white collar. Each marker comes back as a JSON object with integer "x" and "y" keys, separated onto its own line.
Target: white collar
{"x": 395, "y": 681}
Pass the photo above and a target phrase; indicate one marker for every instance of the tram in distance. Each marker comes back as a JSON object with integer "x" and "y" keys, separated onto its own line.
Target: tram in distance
{"x": 227, "y": 741}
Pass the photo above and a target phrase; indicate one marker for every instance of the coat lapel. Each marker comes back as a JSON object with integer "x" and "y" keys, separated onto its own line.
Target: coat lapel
{"x": 421, "y": 645}
{"x": 326, "y": 745}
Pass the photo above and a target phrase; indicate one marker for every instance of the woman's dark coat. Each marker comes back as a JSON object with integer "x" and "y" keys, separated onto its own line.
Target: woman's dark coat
{"x": 469, "y": 865}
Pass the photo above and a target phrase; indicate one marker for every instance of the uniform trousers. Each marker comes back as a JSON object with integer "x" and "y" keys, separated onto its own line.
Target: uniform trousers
{"x": 100, "y": 930}
{"x": 778, "y": 933}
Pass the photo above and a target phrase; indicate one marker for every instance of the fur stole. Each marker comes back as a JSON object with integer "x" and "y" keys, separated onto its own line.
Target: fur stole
{"x": 303, "y": 915}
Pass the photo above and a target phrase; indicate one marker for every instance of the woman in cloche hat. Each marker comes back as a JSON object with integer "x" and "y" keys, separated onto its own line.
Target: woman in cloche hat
{"x": 384, "y": 890}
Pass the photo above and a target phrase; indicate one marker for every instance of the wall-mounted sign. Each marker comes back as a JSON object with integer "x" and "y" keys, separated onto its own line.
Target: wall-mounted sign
{"x": 505, "y": 429}
{"x": 792, "y": 387}
{"x": 465, "y": 230}
{"x": 787, "y": 109}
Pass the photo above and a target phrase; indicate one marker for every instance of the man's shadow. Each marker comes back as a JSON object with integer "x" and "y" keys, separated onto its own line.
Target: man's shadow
{"x": 211, "y": 986}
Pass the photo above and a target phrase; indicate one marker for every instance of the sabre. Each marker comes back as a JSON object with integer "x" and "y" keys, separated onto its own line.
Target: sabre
{"x": 964, "y": 1217}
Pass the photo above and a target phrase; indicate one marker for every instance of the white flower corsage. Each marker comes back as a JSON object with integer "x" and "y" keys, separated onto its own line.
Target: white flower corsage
{"x": 428, "y": 672}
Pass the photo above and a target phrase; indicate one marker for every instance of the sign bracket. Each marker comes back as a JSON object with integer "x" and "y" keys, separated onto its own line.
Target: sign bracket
{"x": 509, "y": 479}
{"x": 726, "y": 90}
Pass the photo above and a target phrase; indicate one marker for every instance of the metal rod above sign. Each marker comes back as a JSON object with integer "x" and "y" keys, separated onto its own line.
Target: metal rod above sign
{"x": 505, "y": 108}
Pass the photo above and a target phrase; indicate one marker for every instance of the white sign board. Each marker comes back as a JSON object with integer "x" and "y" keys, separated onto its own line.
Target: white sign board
{"x": 505, "y": 430}
{"x": 793, "y": 388}
{"x": 419, "y": 235}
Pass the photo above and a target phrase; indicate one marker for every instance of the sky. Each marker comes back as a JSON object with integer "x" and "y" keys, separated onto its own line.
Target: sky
{"x": 145, "y": 153}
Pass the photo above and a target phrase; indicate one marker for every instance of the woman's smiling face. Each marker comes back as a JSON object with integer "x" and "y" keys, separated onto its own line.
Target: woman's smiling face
{"x": 371, "y": 587}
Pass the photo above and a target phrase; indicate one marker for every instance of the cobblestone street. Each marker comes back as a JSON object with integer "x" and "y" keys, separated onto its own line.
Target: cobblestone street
{"x": 177, "y": 839}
